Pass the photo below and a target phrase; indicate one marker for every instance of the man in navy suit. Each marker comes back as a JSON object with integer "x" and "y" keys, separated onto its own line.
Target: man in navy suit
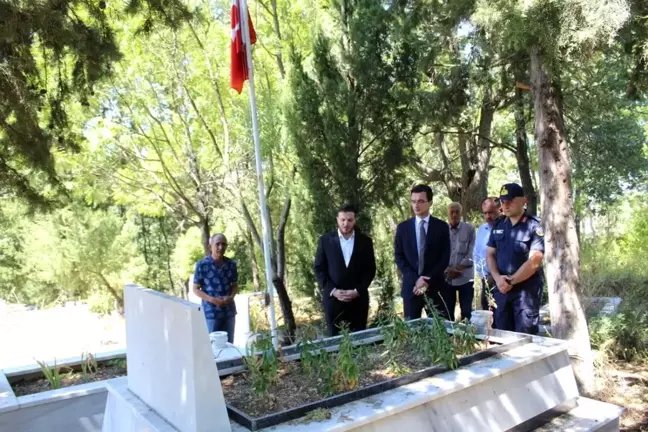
{"x": 344, "y": 266}
{"x": 422, "y": 253}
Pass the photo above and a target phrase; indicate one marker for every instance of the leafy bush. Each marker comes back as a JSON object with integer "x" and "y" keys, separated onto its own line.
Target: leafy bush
{"x": 101, "y": 303}
{"x": 623, "y": 336}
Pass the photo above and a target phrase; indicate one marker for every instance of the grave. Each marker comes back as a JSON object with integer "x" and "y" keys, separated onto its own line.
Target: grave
{"x": 173, "y": 384}
{"x": 171, "y": 368}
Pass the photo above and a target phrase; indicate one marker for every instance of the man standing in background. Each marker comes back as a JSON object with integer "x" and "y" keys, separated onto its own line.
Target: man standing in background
{"x": 345, "y": 266}
{"x": 491, "y": 211}
{"x": 460, "y": 277}
{"x": 422, "y": 253}
{"x": 515, "y": 253}
{"x": 215, "y": 282}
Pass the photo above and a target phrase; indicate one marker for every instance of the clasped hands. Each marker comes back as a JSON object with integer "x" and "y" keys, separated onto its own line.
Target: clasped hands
{"x": 452, "y": 272}
{"x": 421, "y": 285}
{"x": 504, "y": 283}
{"x": 345, "y": 295}
{"x": 221, "y": 300}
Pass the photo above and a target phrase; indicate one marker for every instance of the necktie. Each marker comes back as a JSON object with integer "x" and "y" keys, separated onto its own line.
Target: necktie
{"x": 421, "y": 245}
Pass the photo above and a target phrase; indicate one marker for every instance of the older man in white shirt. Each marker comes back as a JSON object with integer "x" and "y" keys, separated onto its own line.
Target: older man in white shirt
{"x": 460, "y": 277}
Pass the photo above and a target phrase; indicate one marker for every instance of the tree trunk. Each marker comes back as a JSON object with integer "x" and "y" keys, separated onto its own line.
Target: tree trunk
{"x": 475, "y": 178}
{"x": 522, "y": 150}
{"x": 562, "y": 254}
{"x": 255, "y": 266}
{"x": 118, "y": 299}
{"x": 205, "y": 234}
{"x": 278, "y": 263}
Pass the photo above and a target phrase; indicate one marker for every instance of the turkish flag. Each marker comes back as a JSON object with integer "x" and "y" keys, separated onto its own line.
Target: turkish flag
{"x": 239, "y": 72}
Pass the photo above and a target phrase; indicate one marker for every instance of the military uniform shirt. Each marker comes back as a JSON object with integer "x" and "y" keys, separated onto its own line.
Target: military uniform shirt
{"x": 515, "y": 243}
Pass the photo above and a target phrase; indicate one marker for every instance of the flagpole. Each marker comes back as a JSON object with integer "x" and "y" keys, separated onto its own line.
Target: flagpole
{"x": 265, "y": 219}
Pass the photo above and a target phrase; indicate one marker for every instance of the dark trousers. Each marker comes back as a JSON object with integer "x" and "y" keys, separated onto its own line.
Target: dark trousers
{"x": 487, "y": 284}
{"x": 353, "y": 313}
{"x": 413, "y": 307}
{"x": 222, "y": 323}
{"x": 518, "y": 310}
{"x": 466, "y": 294}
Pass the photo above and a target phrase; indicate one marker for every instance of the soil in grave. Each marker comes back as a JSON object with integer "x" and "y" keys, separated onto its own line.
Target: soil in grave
{"x": 295, "y": 386}
{"x": 69, "y": 378}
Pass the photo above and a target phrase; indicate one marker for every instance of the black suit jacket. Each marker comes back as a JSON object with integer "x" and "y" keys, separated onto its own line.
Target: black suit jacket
{"x": 331, "y": 272}
{"x": 436, "y": 255}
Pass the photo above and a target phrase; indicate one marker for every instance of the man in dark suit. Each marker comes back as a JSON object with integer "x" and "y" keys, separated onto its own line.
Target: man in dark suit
{"x": 345, "y": 265}
{"x": 422, "y": 253}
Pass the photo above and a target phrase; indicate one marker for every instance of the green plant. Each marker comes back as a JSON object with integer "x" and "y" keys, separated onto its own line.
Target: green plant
{"x": 262, "y": 363}
{"x": 396, "y": 368}
{"x": 118, "y": 363}
{"x": 326, "y": 372}
{"x": 347, "y": 374}
{"x": 442, "y": 348}
{"x": 89, "y": 365}
{"x": 623, "y": 336}
{"x": 465, "y": 338}
{"x": 307, "y": 350}
{"x": 53, "y": 374}
{"x": 421, "y": 341}
{"x": 396, "y": 334}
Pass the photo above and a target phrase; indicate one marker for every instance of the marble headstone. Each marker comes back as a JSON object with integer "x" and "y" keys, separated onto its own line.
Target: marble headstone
{"x": 171, "y": 366}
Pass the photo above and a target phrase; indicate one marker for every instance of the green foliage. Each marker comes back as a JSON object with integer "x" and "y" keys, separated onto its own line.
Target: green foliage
{"x": 188, "y": 252}
{"x": 89, "y": 365}
{"x": 614, "y": 265}
{"x": 351, "y": 115}
{"x": 307, "y": 349}
{"x": 623, "y": 336}
{"x": 54, "y": 55}
{"x": 465, "y": 338}
{"x": 262, "y": 363}
{"x": 52, "y": 374}
{"x": 326, "y": 372}
{"x": 347, "y": 374}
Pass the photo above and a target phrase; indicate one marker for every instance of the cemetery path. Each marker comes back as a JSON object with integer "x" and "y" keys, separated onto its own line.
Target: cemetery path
{"x": 56, "y": 333}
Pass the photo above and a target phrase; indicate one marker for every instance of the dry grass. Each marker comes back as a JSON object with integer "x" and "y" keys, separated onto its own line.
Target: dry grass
{"x": 626, "y": 385}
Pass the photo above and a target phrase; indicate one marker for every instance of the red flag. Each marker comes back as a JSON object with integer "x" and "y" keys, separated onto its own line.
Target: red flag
{"x": 239, "y": 72}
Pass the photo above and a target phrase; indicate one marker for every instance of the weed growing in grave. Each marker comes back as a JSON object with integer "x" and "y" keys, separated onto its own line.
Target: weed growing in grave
{"x": 307, "y": 350}
{"x": 88, "y": 365}
{"x": 325, "y": 372}
{"x": 118, "y": 363}
{"x": 422, "y": 337}
{"x": 362, "y": 356}
{"x": 263, "y": 368}
{"x": 347, "y": 375}
{"x": 395, "y": 335}
{"x": 53, "y": 374}
{"x": 465, "y": 338}
{"x": 396, "y": 368}
{"x": 442, "y": 348}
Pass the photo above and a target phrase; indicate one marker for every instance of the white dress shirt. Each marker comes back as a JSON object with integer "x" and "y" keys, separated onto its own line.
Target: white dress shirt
{"x": 347, "y": 246}
{"x": 347, "y": 250}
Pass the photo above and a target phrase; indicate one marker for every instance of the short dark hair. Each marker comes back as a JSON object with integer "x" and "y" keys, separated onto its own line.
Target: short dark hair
{"x": 496, "y": 200}
{"x": 422, "y": 188}
{"x": 347, "y": 208}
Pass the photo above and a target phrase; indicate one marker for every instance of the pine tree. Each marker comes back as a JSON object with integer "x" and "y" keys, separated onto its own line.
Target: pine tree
{"x": 52, "y": 52}
{"x": 351, "y": 119}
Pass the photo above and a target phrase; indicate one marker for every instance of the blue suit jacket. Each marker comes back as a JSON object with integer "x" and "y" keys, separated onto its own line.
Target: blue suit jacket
{"x": 436, "y": 255}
